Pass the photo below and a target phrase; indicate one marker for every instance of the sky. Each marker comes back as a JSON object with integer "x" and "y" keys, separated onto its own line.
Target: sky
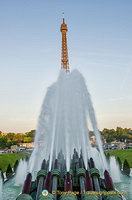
{"x": 99, "y": 46}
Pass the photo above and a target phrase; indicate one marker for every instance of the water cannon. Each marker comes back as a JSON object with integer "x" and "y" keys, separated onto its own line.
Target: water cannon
{"x": 110, "y": 188}
{"x": 92, "y": 165}
{"x": 55, "y": 178}
{"x": 43, "y": 166}
{"x": 81, "y": 176}
{"x": 78, "y": 183}
{"x": 68, "y": 182}
{"x": 75, "y": 151}
{"x": 26, "y": 189}
{"x": 68, "y": 188}
{"x": 56, "y": 164}
{"x": 88, "y": 182}
{"x": 108, "y": 181}
{"x": 41, "y": 175}
{"x": 94, "y": 172}
{"x": 48, "y": 182}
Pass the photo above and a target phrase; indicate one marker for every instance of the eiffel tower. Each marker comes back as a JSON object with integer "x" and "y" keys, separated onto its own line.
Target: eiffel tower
{"x": 64, "y": 49}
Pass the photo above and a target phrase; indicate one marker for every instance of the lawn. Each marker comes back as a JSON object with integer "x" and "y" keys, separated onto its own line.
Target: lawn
{"x": 122, "y": 154}
{"x": 11, "y": 158}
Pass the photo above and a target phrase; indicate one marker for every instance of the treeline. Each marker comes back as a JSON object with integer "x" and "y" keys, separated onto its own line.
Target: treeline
{"x": 15, "y": 138}
{"x": 120, "y": 134}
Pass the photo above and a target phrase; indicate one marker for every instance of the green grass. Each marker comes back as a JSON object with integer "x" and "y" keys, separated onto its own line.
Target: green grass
{"x": 122, "y": 154}
{"x": 11, "y": 158}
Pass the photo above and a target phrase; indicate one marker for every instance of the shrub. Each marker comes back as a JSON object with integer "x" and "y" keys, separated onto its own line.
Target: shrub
{"x": 9, "y": 171}
{"x": 126, "y": 167}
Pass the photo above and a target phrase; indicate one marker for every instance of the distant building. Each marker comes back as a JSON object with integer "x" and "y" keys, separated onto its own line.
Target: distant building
{"x": 93, "y": 140}
{"x": 27, "y": 145}
{"x": 14, "y": 148}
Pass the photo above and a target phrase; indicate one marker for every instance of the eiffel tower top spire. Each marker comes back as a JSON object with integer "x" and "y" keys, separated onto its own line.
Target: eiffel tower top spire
{"x": 64, "y": 48}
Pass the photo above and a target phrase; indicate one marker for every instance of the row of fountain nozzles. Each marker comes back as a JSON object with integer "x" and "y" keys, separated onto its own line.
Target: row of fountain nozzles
{"x": 47, "y": 181}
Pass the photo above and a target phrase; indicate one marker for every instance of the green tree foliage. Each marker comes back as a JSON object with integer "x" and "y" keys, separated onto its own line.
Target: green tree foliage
{"x": 109, "y": 139}
{"x": 3, "y": 142}
{"x": 9, "y": 144}
{"x": 126, "y": 167}
{"x": 9, "y": 171}
{"x": 27, "y": 139}
{"x": 10, "y": 137}
{"x": 30, "y": 134}
{"x": 16, "y": 138}
{"x": 120, "y": 134}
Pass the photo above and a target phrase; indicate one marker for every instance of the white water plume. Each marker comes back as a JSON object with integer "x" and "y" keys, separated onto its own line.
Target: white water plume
{"x": 21, "y": 173}
{"x": 130, "y": 172}
{"x": 97, "y": 158}
{"x": 5, "y": 177}
{"x": 114, "y": 169}
{"x": 63, "y": 123}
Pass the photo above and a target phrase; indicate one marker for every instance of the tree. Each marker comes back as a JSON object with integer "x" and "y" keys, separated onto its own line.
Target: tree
{"x": 9, "y": 171}
{"x": 109, "y": 139}
{"x": 18, "y": 137}
{"x": 126, "y": 167}
{"x": 3, "y": 142}
{"x": 9, "y": 144}
{"x": 108, "y": 134}
{"x": 31, "y": 134}
{"x": 119, "y": 134}
{"x": 27, "y": 139}
{"x": 10, "y": 136}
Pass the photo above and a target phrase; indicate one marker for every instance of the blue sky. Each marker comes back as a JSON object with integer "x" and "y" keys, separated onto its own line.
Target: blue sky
{"x": 100, "y": 47}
